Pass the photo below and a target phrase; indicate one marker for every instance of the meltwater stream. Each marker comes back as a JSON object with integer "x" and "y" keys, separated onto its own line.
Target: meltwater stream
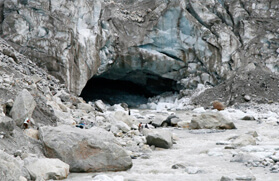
{"x": 197, "y": 150}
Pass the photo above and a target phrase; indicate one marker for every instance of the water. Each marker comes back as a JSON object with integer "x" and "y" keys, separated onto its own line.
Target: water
{"x": 196, "y": 151}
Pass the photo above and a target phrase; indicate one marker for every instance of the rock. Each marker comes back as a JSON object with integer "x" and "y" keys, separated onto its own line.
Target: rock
{"x": 86, "y": 107}
{"x": 145, "y": 156}
{"x": 248, "y": 118}
{"x": 21, "y": 178}
{"x": 100, "y": 106}
{"x": 32, "y": 133}
{"x": 224, "y": 178}
{"x": 23, "y": 107}
{"x": 178, "y": 166}
{"x": 122, "y": 126}
{"x": 46, "y": 168}
{"x": 192, "y": 170}
{"x": 211, "y": 120}
{"x": 7, "y": 125}
{"x": 102, "y": 178}
{"x": 173, "y": 120}
{"x": 244, "y": 140}
{"x": 159, "y": 120}
{"x": 159, "y": 138}
{"x": 10, "y": 167}
{"x": 241, "y": 158}
{"x": 218, "y": 105}
{"x": 85, "y": 150}
{"x": 247, "y": 98}
{"x": 246, "y": 178}
{"x": 127, "y": 119}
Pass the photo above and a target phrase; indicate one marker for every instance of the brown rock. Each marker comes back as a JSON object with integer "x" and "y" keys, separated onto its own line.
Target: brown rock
{"x": 218, "y": 105}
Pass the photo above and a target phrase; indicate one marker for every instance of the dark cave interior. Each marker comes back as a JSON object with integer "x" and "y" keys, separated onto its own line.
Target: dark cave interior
{"x": 126, "y": 91}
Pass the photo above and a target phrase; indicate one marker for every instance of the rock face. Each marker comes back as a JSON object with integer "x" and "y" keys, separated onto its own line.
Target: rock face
{"x": 159, "y": 138}
{"x": 46, "y": 169}
{"x": 23, "y": 107}
{"x": 162, "y": 41}
{"x": 90, "y": 150}
{"x": 211, "y": 121}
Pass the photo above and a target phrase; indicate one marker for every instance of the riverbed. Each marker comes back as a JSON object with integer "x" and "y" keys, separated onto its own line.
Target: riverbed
{"x": 201, "y": 154}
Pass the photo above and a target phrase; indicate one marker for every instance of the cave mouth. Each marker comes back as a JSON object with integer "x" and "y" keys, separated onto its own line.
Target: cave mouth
{"x": 127, "y": 91}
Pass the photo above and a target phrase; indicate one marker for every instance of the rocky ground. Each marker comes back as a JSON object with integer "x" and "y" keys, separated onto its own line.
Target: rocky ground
{"x": 183, "y": 140}
{"x": 249, "y": 152}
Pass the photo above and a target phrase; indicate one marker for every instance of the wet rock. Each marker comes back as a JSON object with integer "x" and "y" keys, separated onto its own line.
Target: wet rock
{"x": 23, "y": 107}
{"x": 241, "y": 157}
{"x": 178, "y": 166}
{"x": 192, "y": 170}
{"x": 46, "y": 168}
{"x": 218, "y": 105}
{"x": 159, "y": 138}
{"x": 248, "y": 118}
{"x": 211, "y": 120}
{"x": 85, "y": 150}
{"x": 244, "y": 140}
{"x": 145, "y": 156}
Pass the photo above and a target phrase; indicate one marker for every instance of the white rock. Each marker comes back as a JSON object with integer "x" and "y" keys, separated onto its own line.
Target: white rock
{"x": 47, "y": 168}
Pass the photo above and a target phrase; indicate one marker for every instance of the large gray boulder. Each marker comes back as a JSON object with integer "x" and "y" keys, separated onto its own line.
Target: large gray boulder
{"x": 46, "y": 169}
{"x": 23, "y": 107}
{"x": 10, "y": 167}
{"x": 211, "y": 120}
{"x": 159, "y": 138}
{"x": 85, "y": 150}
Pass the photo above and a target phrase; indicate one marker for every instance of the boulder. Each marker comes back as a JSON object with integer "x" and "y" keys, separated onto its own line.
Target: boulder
{"x": 211, "y": 120}
{"x": 85, "y": 150}
{"x": 244, "y": 140}
{"x": 218, "y": 105}
{"x": 159, "y": 138}
{"x": 46, "y": 168}
{"x": 10, "y": 167}
{"x": 85, "y": 107}
{"x": 23, "y": 107}
{"x": 160, "y": 120}
{"x": 124, "y": 117}
{"x": 100, "y": 106}
{"x": 7, "y": 125}
{"x": 122, "y": 126}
